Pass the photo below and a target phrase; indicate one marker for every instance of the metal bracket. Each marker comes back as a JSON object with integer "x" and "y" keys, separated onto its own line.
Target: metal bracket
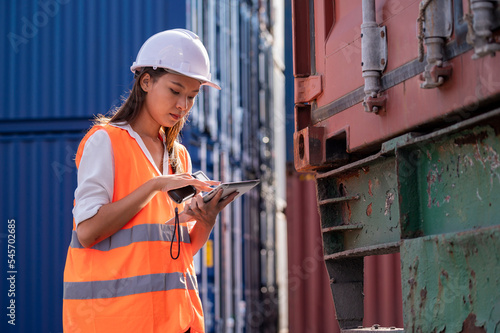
{"x": 309, "y": 151}
{"x": 307, "y": 88}
{"x": 375, "y": 104}
{"x": 435, "y": 76}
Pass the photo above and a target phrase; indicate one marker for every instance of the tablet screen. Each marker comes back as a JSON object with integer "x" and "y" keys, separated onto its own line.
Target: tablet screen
{"x": 228, "y": 188}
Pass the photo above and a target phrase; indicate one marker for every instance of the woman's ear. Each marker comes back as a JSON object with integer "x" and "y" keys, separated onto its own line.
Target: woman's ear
{"x": 146, "y": 82}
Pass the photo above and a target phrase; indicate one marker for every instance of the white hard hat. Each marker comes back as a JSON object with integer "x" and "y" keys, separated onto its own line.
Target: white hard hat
{"x": 178, "y": 50}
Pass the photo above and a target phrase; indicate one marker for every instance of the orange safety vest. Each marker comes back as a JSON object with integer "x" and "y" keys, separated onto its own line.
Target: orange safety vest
{"x": 129, "y": 282}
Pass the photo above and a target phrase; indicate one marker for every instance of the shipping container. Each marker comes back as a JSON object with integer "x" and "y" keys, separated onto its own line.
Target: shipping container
{"x": 63, "y": 62}
{"x": 238, "y": 131}
{"x": 396, "y": 113}
{"x": 38, "y": 181}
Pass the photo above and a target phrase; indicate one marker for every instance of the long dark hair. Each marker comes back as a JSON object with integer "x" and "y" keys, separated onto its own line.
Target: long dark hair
{"x": 131, "y": 107}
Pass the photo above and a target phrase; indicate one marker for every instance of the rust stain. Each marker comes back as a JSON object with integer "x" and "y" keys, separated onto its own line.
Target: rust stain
{"x": 370, "y": 188}
{"x": 471, "y": 139}
{"x": 472, "y": 283}
{"x": 493, "y": 158}
{"x": 423, "y": 293}
{"x": 429, "y": 156}
{"x": 440, "y": 283}
{"x": 431, "y": 179}
{"x": 433, "y": 176}
{"x": 442, "y": 331}
{"x": 423, "y": 297}
{"x": 369, "y": 209}
{"x": 469, "y": 325}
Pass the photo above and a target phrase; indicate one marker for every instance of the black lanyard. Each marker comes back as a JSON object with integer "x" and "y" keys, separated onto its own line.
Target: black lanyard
{"x": 178, "y": 228}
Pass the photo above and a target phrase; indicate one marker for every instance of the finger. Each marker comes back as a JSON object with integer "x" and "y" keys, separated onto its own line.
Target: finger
{"x": 204, "y": 186}
{"x": 193, "y": 207}
{"x": 183, "y": 176}
{"x": 199, "y": 204}
{"x": 172, "y": 182}
{"x": 218, "y": 195}
{"x": 226, "y": 200}
{"x": 187, "y": 209}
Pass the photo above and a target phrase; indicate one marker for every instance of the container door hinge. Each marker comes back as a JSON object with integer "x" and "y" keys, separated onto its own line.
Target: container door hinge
{"x": 307, "y": 88}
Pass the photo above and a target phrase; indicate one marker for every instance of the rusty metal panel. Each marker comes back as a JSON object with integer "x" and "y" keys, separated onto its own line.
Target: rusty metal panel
{"x": 450, "y": 184}
{"x": 309, "y": 151}
{"x": 359, "y": 207}
{"x": 442, "y": 182}
{"x": 409, "y": 106}
{"x": 311, "y": 307}
{"x": 470, "y": 88}
{"x": 302, "y": 37}
{"x": 451, "y": 282}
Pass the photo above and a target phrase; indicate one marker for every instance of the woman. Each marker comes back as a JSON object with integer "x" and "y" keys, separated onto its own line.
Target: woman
{"x": 126, "y": 270}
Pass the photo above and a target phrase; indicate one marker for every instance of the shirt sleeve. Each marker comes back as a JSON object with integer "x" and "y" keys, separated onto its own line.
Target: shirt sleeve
{"x": 190, "y": 164}
{"x": 95, "y": 177}
{"x": 190, "y": 225}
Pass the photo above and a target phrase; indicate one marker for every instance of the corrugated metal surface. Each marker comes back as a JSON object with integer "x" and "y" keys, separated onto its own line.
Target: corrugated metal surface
{"x": 38, "y": 179}
{"x": 65, "y": 59}
{"x": 383, "y": 299}
{"x": 68, "y": 60}
{"x": 238, "y": 125}
{"x": 311, "y": 307}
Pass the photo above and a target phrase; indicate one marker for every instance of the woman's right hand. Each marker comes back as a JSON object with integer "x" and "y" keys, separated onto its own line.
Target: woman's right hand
{"x": 171, "y": 182}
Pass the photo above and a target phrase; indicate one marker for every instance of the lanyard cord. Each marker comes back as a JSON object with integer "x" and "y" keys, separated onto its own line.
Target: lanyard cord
{"x": 176, "y": 227}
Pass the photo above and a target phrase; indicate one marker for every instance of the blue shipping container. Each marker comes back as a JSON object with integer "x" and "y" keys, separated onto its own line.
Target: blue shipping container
{"x": 63, "y": 61}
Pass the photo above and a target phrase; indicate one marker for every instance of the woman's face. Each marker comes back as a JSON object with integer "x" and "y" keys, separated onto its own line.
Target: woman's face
{"x": 170, "y": 98}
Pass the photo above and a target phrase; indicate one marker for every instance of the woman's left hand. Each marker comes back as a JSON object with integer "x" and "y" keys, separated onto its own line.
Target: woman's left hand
{"x": 206, "y": 212}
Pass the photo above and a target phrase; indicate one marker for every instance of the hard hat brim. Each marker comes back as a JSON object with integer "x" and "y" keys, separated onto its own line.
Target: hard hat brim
{"x": 134, "y": 68}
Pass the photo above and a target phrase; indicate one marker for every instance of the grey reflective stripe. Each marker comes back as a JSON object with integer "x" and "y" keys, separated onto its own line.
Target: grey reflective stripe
{"x": 127, "y": 286}
{"x": 192, "y": 282}
{"x": 138, "y": 233}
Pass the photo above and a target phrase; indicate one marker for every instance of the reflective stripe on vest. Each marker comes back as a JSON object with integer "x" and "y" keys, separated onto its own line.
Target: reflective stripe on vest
{"x": 138, "y": 233}
{"x": 129, "y": 286}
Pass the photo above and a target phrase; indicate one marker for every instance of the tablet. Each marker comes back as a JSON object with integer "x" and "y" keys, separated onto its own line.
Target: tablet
{"x": 228, "y": 188}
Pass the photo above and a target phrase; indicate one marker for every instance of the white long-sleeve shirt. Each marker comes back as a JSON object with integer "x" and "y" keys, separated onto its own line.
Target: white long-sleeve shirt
{"x": 97, "y": 171}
